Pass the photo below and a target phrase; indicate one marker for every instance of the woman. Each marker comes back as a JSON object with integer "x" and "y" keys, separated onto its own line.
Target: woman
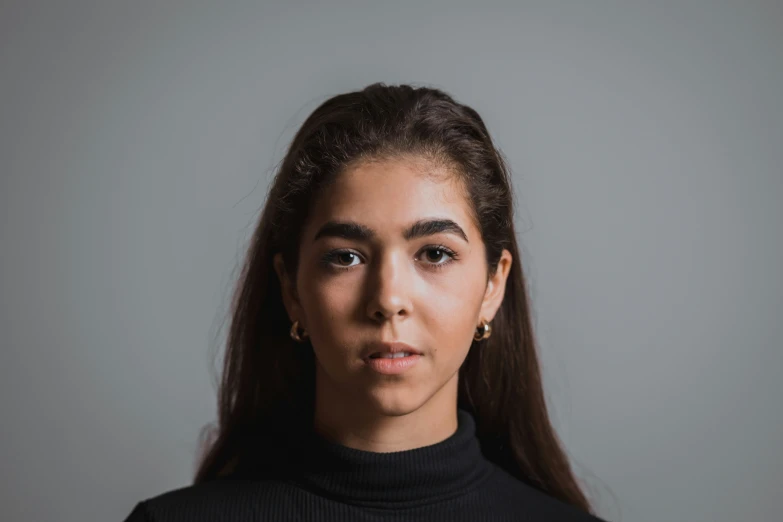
{"x": 381, "y": 363}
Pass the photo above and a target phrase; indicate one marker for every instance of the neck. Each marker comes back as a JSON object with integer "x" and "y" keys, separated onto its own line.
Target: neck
{"x": 384, "y": 420}
{"x": 383, "y": 479}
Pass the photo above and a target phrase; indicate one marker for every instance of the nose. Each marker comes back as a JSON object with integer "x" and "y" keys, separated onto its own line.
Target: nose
{"x": 389, "y": 289}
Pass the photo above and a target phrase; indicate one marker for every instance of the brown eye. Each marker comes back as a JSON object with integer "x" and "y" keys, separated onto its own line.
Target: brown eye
{"x": 346, "y": 256}
{"x": 434, "y": 254}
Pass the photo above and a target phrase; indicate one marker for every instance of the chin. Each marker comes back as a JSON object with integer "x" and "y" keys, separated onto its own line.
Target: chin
{"x": 395, "y": 402}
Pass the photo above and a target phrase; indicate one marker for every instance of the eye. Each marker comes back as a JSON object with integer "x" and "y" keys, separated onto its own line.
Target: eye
{"x": 342, "y": 258}
{"x": 339, "y": 259}
{"x": 434, "y": 258}
{"x": 436, "y": 253}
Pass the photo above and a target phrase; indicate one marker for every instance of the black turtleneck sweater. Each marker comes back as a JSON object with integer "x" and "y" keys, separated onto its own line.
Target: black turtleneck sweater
{"x": 325, "y": 481}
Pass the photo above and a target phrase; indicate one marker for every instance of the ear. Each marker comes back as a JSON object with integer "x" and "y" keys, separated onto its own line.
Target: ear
{"x": 288, "y": 291}
{"x": 496, "y": 288}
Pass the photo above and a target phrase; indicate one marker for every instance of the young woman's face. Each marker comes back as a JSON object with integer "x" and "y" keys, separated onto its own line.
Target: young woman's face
{"x": 364, "y": 278}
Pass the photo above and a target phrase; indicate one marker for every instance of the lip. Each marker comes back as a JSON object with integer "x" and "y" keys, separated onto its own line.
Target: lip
{"x": 389, "y": 347}
{"x": 392, "y": 366}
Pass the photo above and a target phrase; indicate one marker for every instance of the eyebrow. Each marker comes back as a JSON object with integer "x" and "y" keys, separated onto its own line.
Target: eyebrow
{"x": 359, "y": 232}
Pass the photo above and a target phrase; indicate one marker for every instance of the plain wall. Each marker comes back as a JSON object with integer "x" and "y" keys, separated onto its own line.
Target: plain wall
{"x": 137, "y": 141}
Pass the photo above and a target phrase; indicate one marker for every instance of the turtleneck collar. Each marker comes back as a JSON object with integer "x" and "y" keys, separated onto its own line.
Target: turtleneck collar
{"x": 419, "y": 475}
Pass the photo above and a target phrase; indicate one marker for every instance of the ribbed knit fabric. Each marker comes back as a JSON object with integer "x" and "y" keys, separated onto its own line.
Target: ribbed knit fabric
{"x": 327, "y": 482}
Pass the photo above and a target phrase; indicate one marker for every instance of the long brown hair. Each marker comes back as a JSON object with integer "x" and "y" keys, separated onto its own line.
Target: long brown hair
{"x": 267, "y": 380}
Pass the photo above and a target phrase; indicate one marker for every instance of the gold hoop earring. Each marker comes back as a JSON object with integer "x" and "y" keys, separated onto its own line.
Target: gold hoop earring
{"x": 295, "y": 335}
{"x": 483, "y": 331}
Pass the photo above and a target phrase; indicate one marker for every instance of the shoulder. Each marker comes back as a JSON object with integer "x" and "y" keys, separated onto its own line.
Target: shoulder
{"x": 501, "y": 488}
{"x": 207, "y": 501}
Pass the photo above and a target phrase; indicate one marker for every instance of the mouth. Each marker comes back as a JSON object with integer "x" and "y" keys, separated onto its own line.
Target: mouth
{"x": 391, "y": 358}
{"x": 391, "y": 350}
{"x": 387, "y": 355}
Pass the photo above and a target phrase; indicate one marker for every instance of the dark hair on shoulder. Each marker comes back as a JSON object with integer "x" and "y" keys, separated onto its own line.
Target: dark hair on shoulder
{"x": 268, "y": 379}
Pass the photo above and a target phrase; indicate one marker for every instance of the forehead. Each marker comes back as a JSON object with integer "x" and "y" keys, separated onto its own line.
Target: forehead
{"x": 388, "y": 195}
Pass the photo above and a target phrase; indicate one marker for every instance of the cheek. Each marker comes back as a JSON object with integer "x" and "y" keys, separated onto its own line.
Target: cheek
{"x": 458, "y": 296}
{"x": 450, "y": 310}
{"x": 328, "y": 305}
{"x": 450, "y": 322}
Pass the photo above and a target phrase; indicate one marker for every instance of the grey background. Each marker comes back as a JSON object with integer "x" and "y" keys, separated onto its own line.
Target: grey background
{"x": 137, "y": 140}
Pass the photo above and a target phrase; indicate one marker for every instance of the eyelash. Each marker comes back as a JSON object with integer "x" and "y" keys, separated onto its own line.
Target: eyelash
{"x": 327, "y": 259}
